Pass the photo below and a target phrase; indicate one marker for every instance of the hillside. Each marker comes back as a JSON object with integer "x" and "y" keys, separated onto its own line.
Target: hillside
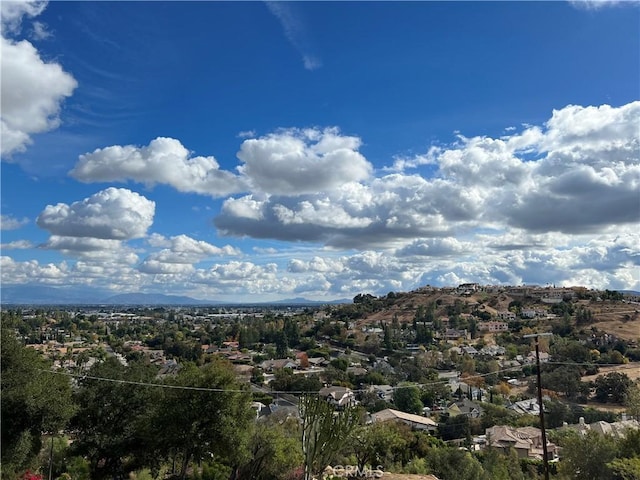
{"x": 613, "y": 316}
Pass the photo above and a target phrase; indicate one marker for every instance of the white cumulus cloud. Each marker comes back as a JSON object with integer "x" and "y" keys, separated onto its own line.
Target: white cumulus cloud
{"x": 32, "y": 89}
{"x": 112, "y": 214}
{"x": 577, "y": 173}
{"x": 297, "y": 161}
{"x": 182, "y": 252}
{"x": 12, "y": 12}
{"x": 164, "y": 161}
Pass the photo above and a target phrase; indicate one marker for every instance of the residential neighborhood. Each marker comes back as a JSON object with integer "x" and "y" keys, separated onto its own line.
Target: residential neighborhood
{"x": 453, "y": 364}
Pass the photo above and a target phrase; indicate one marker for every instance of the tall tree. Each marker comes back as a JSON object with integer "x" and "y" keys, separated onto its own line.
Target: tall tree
{"x": 407, "y": 398}
{"x": 586, "y": 458}
{"x": 381, "y": 443}
{"x": 34, "y": 401}
{"x": 109, "y": 425}
{"x": 325, "y": 430}
{"x": 612, "y": 387}
{"x": 453, "y": 463}
{"x": 206, "y": 414}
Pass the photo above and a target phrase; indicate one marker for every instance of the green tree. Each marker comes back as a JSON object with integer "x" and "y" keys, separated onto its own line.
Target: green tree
{"x": 455, "y": 427}
{"x": 206, "y": 415}
{"x": 632, "y": 401}
{"x": 502, "y": 467}
{"x": 454, "y": 463}
{"x": 495, "y": 415}
{"x": 612, "y": 387}
{"x": 407, "y": 398}
{"x": 340, "y": 364}
{"x": 274, "y": 450}
{"x": 556, "y": 413}
{"x": 292, "y": 332}
{"x": 629, "y": 445}
{"x": 109, "y": 425}
{"x": 494, "y": 464}
{"x": 381, "y": 443}
{"x": 34, "y": 401}
{"x": 324, "y": 432}
{"x": 586, "y": 458}
{"x": 625, "y": 468}
{"x": 565, "y": 380}
{"x": 433, "y": 392}
{"x": 282, "y": 344}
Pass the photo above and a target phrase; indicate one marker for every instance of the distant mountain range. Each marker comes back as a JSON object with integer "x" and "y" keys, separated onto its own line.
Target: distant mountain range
{"x": 630, "y": 292}
{"x": 151, "y": 299}
{"x": 45, "y": 295}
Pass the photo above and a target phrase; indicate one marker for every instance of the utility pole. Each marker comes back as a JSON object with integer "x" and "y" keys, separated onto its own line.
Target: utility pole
{"x": 545, "y": 454}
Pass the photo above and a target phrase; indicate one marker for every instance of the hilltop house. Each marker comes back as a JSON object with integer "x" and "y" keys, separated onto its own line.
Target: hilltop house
{"x": 493, "y": 327}
{"x": 416, "y": 422}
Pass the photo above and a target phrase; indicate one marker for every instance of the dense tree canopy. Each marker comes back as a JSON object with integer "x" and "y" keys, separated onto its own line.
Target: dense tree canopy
{"x": 612, "y": 387}
{"x": 34, "y": 401}
{"x": 407, "y": 398}
{"x": 111, "y": 425}
{"x": 206, "y": 416}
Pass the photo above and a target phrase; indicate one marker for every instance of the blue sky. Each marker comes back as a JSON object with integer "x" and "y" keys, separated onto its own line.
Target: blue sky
{"x": 249, "y": 151}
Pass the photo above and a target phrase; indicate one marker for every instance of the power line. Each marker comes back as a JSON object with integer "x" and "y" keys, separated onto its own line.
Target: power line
{"x": 274, "y": 392}
{"x": 460, "y": 379}
{"x": 623, "y": 366}
{"x": 143, "y": 384}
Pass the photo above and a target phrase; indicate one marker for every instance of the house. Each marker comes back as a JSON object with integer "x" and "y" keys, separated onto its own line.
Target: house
{"x": 209, "y": 348}
{"x": 453, "y": 334}
{"x": 318, "y": 362}
{"x": 531, "y": 357}
{"x": 467, "y": 288}
{"x": 357, "y": 371}
{"x": 465, "y": 407}
{"x": 527, "y": 441}
{"x": 338, "y": 396}
{"x": 260, "y": 408}
{"x": 273, "y": 365}
{"x": 506, "y": 315}
{"x": 492, "y": 350}
{"x": 615, "y": 429}
{"x": 493, "y": 327}
{"x": 469, "y": 350}
{"x": 526, "y": 407}
{"x": 238, "y": 357}
{"x": 416, "y": 422}
{"x": 280, "y": 407}
{"x": 170, "y": 367}
{"x": 376, "y": 330}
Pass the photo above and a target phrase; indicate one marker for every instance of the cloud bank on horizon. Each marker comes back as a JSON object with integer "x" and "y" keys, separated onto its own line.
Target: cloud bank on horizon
{"x": 306, "y": 211}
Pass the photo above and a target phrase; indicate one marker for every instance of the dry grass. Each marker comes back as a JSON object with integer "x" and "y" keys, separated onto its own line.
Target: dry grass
{"x": 619, "y": 319}
{"x": 626, "y": 330}
{"x": 632, "y": 370}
